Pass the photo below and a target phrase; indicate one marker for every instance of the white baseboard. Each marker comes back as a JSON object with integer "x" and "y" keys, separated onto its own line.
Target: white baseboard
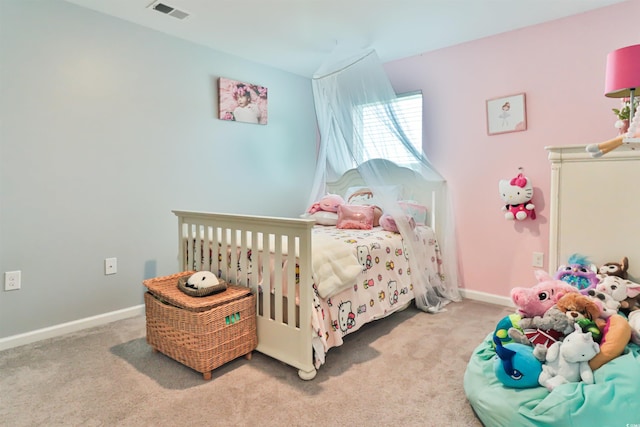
{"x": 485, "y": 297}
{"x": 65, "y": 328}
{"x": 138, "y": 310}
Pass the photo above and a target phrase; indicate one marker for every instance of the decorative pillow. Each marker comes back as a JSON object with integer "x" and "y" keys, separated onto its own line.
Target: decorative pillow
{"x": 417, "y": 211}
{"x": 355, "y": 217}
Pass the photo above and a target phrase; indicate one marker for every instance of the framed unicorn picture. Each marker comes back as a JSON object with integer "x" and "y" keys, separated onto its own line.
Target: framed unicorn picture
{"x": 242, "y": 102}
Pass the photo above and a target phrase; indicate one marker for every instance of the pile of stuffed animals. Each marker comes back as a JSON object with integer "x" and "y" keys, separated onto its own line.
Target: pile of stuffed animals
{"x": 568, "y": 325}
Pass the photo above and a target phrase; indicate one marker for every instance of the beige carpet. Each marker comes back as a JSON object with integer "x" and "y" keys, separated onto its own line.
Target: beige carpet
{"x": 405, "y": 370}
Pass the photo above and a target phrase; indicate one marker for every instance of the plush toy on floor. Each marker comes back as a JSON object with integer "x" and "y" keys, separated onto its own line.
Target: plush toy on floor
{"x": 624, "y": 291}
{"x": 533, "y": 303}
{"x": 584, "y": 311}
{"x": 579, "y": 272}
{"x": 615, "y": 269}
{"x": 516, "y": 366}
{"x": 553, "y": 326}
{"x": 568, "y": 360}
{"x": 517, "y": 194}
{"x": 536, "y": 300}
{"x": 634, "y": 323}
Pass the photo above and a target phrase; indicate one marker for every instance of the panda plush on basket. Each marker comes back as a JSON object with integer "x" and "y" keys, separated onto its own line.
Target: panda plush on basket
{"x": 201, "y": 284}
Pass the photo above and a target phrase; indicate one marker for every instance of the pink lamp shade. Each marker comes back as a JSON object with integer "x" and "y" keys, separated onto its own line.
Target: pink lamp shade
{"x": 623, "y": 72}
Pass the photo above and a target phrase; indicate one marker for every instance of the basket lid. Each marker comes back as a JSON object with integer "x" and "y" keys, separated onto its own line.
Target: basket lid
{"x": 166, "y": 288}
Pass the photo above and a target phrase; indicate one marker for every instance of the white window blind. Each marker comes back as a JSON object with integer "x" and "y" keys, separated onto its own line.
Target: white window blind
{"x": 379, "y": 141}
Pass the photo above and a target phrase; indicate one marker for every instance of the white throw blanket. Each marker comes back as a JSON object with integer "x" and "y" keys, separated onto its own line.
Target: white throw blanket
{"x": 334, "y": 263}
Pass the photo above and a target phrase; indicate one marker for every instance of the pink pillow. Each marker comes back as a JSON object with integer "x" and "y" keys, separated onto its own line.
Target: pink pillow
{"x": 355, "y": 217}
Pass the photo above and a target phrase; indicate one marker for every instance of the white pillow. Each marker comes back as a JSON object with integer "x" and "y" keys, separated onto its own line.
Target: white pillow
{"x": 322, "y": 217}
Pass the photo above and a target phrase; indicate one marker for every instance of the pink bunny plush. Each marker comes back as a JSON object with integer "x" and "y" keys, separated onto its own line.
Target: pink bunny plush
{"x": 536, "y": 300}
{"x": 328, "y": 203}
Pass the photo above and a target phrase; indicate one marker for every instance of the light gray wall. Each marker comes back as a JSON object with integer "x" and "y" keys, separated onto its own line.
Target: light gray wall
{"x": 105, "y": 128}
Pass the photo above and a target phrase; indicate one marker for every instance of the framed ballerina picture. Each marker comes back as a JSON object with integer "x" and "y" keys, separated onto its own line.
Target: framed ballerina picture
{"x": 506, "y": 114}
{"x": 242, "y": 102}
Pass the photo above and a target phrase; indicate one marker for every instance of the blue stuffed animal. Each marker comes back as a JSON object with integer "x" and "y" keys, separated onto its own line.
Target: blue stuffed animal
{"x": 516, "y": 366}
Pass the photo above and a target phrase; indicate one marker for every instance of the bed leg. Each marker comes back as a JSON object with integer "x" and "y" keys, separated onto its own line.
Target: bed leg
{"x": 307, "y": 375}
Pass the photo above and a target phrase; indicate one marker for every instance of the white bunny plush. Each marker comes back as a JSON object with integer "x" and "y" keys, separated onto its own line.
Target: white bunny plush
{"x": 568, "y": 360}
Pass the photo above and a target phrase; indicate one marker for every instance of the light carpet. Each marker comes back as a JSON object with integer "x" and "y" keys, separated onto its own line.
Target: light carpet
{"x": 405, "y": 370}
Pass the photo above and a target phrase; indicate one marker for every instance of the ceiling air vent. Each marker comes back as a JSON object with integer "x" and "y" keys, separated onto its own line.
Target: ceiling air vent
{"x": 168, "y": 10}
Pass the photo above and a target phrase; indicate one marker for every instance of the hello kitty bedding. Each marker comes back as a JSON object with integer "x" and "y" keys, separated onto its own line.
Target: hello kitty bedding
{"x": 382, "y": 286}
{"x": 358, "y": 276}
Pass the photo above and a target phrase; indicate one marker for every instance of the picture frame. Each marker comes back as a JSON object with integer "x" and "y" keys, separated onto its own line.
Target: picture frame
{"x": 242, "y": 102}
{"x": 506, "y": 114}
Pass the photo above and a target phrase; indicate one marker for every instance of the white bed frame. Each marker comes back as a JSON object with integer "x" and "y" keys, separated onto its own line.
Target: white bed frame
{"x": 285, "y": 333}
{"x": 595, "y": 206}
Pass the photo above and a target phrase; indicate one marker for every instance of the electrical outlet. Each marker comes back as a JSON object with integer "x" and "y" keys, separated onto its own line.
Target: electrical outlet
{"x": 12, "y": 280}
{"x": 538, "y": 259}
{"x": 110, "y": 265}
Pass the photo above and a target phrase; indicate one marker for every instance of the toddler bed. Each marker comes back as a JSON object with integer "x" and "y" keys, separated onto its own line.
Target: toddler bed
{"x": 353, "y": 277}
{"x": 593, "y": 211}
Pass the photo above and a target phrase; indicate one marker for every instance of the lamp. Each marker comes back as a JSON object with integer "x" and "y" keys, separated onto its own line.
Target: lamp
{"x": 622, "y": 78}
{"x": 623, "y": 74}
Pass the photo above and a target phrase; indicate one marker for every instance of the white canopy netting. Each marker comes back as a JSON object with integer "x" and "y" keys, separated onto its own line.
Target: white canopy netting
{"x": 342, "y": 87}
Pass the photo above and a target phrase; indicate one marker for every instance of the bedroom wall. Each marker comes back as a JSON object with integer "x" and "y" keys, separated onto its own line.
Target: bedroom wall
{"x": 107, "y": 127}
{"x": 560, "y": 66}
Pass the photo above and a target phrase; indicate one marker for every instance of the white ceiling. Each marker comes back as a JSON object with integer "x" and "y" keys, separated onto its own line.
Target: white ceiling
{"x": 298, "y": 35}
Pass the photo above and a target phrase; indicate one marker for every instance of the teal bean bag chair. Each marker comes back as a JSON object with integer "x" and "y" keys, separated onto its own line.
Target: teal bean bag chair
{"x": 612, "y": 401}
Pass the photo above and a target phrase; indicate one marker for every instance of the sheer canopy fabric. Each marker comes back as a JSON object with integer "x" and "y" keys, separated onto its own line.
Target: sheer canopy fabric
{"x": 342, "y": 86}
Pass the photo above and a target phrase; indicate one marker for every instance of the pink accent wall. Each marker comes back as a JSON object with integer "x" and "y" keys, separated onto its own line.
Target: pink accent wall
{"x": 560, "y": 66}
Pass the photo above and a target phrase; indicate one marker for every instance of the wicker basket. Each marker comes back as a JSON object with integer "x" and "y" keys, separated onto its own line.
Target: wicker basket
{"x": 200, "y": 332}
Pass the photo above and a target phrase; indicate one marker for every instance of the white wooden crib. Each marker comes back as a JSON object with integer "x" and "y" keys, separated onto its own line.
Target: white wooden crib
{"x": 284, "y": 314}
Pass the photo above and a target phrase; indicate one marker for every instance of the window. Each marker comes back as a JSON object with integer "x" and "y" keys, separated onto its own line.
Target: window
{"x": 379, "y": 138}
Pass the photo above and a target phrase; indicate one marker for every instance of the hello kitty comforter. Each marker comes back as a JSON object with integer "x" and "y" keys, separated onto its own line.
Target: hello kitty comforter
{"x": 383, "y": 285}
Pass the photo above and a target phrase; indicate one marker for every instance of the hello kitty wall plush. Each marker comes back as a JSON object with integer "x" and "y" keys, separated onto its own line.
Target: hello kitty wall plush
{"x": 517, "y": 194}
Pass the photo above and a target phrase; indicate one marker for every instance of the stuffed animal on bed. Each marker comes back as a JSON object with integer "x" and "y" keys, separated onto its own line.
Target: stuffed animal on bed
{"x": 568, "y": 360}
{"x": 517, "y": 194}
{"x": 615, "y": 269}
{"x": 579, "y": 272}
{"x": 328, "y": 203}
{"x": 536, "y": 300}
